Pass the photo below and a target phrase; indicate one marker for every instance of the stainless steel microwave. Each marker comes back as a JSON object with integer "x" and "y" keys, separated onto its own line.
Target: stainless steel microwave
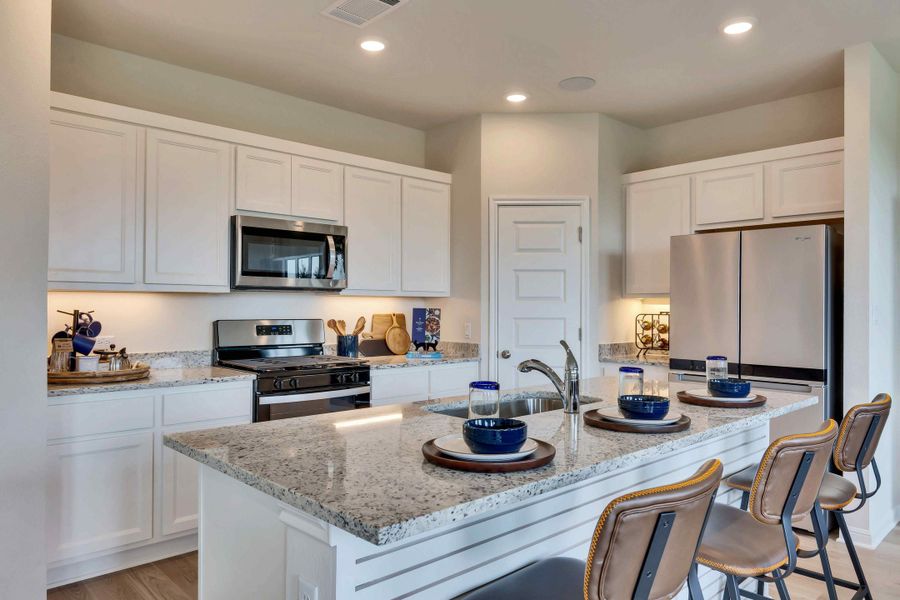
{"x": 282, "y": 254}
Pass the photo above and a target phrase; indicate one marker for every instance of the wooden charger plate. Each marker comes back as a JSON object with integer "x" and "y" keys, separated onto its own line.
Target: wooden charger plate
{"x": 593, "y": 419}
{"x": 86, "y": 377}
{"x": 696, "y": 400}
{"x": 540, "y": 457}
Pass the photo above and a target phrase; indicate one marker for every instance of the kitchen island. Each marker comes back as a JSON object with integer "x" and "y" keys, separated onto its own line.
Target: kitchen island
{"x": 345, "y": 504}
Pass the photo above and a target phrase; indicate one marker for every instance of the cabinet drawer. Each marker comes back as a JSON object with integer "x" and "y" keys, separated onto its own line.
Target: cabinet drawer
{"x": 452, "y": 380}
{"x": 197, "y": 404}
{"x": 394, "y": 384}
{"x": 99, "y": 416}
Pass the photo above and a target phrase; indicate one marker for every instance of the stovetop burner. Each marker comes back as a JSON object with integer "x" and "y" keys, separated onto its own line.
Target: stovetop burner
{"x": 285, "y": 363}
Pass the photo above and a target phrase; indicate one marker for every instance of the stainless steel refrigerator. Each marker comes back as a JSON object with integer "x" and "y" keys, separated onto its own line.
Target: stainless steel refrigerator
{"x": 769, "y": 300}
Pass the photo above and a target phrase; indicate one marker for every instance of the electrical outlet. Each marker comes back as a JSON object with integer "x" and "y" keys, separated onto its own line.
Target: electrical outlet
{"x": 468, "y": 330}
{"x": 307, "y": 591}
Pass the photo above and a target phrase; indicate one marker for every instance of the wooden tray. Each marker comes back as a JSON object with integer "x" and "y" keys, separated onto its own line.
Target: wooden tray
{"x": 594, "y": 420}
{"x": 87, "y": 377}
{"x": 691, "y": 399}
{"x": 542, "y": 456}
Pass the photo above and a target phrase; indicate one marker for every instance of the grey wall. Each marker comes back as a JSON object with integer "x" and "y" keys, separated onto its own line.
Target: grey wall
{"x": 92, "y": 71}
{"x": 24, "y": 181}
{"x": 815, "y": 116}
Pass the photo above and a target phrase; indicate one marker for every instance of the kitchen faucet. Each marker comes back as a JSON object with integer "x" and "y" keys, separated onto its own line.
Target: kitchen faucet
{"x": 568, "y": 388}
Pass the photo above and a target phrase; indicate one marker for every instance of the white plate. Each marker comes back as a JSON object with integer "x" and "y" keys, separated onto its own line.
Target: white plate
{"x": 704, "y": 393}
{"x": 454, "y": 445}
{"x": 612, "y": 413}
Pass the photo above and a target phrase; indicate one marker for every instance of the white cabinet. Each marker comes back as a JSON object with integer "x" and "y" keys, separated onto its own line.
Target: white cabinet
{"x": 728, "y": 195}
{"x": 806, "y": 185}
{"x": 412, "y": 384}
{"x": 93, "y": 199}
{"x": 372, "y": 215}
{"x": 100, "y": 494}
{"x": 263, "y": 181}
{"x": 654, "y": 212}
{"x": 317, "y": 189}
{"x": 179, "y": 500}
{"x": 187, "y": 207}
{"x": 425, "y": 236}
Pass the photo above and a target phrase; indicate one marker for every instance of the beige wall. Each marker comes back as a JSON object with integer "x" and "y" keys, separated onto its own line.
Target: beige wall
{"x": 456, "y": 148}
{"x": 157, "y": 322}
{"x": 871, "y": 342}
{"x": 85, "y": 69}
{"x": 815, "y": 116}
{"x": 24, "y": 179}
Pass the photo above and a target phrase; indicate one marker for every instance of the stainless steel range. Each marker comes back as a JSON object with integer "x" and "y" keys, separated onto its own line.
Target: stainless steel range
{"x": 293, "y": 376}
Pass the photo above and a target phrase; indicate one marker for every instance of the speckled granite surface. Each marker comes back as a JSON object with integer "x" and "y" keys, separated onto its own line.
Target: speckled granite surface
{"x": 626, "y": 353}
{"x": 159, "y": 378}
{"x": 184, "y": 359}
{"x": 363, "y": 471}
{"x": 399, "y": 362}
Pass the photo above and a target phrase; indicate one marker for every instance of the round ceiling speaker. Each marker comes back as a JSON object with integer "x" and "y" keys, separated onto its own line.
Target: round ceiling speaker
{"x": 577, "y": 84}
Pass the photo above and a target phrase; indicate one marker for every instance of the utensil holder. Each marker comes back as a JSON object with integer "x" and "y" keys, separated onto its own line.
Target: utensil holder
{"x": 348, "y": 345}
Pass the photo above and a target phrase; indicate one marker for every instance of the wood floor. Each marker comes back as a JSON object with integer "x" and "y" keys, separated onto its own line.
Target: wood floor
{"x": 176, "y": 578}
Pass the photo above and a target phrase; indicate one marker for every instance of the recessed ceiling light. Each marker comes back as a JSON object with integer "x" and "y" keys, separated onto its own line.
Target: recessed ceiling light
{"x": 371, "y": 45}
{"x": 517, "y": 97}
{"x": 738, "y": 26}
{"x": 577, "y": 84}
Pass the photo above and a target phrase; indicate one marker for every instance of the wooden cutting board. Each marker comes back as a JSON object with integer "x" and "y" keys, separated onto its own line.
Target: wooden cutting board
{"x": 382, "y": 322}
{"x": 397, "y": 338}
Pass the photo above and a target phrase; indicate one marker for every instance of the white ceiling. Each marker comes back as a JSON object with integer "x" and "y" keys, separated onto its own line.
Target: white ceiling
{"x": 655, "y": 61}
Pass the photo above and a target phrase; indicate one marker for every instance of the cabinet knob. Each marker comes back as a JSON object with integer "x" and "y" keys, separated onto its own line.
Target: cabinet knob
{"x": 505, "y": 354}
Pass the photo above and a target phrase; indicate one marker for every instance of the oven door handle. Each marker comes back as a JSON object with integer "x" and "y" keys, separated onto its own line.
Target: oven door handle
{"x": 332, "y": 257}
{"x": 289, "y": 398}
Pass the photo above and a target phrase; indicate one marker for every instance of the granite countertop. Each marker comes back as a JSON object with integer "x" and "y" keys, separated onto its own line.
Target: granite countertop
{"x": 656, "y": 360}
{"x": 399, "y": 362}
{"x": 363, "y": 471}
{"x": 159, "y": 378}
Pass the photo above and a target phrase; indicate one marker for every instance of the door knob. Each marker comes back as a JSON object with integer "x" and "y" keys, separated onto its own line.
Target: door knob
{"x": 505, "y": 354}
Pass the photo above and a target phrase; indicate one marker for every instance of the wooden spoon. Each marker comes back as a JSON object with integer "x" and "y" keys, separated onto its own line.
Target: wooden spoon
{"x": 342, "y": 326}
{"x": 332, "y": 324}
{"x": 360, "y": 325}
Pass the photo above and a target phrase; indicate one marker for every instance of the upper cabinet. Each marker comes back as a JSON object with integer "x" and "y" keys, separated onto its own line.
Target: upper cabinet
{"x": 654, "y": 212}
{"x": 188, "y": 187}
{"x": 728, "y": 195}
{"x": 317, "y": 189}
{"x": 770, "y": 187}
{"x": 141, "y": 202}
{"x": 425, "y": 233}
{"x": 372, "y": 215}
{"x": 263, "y": 181}
{"x": 93, "y": 199}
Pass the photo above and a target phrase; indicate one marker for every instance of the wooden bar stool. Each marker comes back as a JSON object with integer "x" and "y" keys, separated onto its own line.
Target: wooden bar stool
{"x": 857, "y": 441}
{"x": 760, "y": 542}
{"x": 642, "y": 549}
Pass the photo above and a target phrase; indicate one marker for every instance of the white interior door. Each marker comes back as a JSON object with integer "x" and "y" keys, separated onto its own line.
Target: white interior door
{"x": 538, "y": 288}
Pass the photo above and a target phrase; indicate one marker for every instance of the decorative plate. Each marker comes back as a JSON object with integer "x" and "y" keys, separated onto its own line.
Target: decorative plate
{"x": 612, "y": 413}
{"x": 454, "y": 445}
{"x": 704, "y": 394}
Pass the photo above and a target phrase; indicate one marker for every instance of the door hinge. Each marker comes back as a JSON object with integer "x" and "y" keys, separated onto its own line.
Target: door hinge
{"x": 580, "y": 230}
{"x": 579, "y": 334}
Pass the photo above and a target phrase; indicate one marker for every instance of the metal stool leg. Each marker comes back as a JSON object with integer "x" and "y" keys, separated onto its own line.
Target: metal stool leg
{"x": 818, "y": 518}
{"x": 731, "y": 588}
{"x": 745, "y": 500}
{"x": 851, "y": 550}
{"x": 694, "y": 590}
{"x": 782, "y": 589}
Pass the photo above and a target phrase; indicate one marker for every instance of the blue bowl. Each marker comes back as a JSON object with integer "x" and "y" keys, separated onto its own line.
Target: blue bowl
{"x": 494, "y": 436}
{"x": 644, "y": 407}
{"x": 728, "y": 388}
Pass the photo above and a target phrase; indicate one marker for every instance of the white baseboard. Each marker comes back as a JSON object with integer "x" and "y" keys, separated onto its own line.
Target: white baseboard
{"x": 71, "y": 572}
{"x": 871, "y": 537}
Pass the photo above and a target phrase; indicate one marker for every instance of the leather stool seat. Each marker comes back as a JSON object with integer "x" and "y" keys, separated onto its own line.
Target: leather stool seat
{"x": 836, "y": 491}
{"x": 737, "y": 544}
{"x": 558, "y": 577}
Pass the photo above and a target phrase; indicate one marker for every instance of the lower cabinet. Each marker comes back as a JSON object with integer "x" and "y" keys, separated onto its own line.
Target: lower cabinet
{"x": 412, "y": 384}
{"x": 113, "y": 489}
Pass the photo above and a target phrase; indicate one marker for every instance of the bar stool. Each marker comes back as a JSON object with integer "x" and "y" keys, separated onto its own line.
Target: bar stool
{"x": 857, "y": 441}
{"x": 760, "y": 543}
{"x": 642, "y": 549}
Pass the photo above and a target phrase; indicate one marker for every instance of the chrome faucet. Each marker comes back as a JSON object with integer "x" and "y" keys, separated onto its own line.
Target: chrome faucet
{"x": 568, "y": 388}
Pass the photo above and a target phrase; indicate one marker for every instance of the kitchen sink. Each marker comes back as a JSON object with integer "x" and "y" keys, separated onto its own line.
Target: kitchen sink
{"x": 512, "y": 408}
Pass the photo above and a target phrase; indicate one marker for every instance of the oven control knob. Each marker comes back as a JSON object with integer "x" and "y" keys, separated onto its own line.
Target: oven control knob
{"x": 342, "y": 377}
{"x": 278, "y": 384}
{"x": 293, "y": 383}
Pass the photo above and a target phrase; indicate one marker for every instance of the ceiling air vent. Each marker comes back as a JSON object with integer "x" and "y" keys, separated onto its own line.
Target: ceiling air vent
{"x": 361, "y": 12}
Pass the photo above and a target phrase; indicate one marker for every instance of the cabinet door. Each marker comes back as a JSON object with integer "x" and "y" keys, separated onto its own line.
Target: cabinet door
{"x": 654, "y": 212}
{"x": 425, "y": 237}
{"x": 729, "y": 195}
{"x": 399, "y": 386}
{"x": 317, "y": 190}
{"x": 263, "y": 181}
{"x": 451, "y": 380}
{"x": 93, "y": 199}
{"x": 188, "y": 185}
{"x": 100, "y": 494}
{"x": 806, "y": 185}
{"x": 372, "y": 216}
{"x": 179, "y": 502}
